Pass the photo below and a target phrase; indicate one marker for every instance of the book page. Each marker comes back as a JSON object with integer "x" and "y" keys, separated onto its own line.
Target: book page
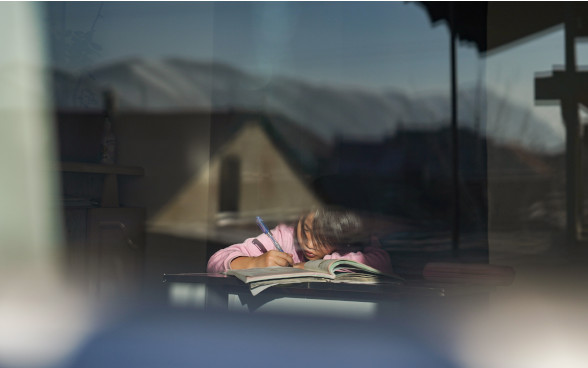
{"x": 347, "y": 278}
{"x": 334, "y": 266}
{"x": 320, "y": 265}
{"x": 273, "y": 273}
{"x": 295, "y": 280}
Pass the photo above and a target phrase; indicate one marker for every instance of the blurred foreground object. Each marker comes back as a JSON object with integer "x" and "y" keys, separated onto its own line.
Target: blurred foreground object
{"x": 194, "y": 339}
{"x": 40, "y": 317}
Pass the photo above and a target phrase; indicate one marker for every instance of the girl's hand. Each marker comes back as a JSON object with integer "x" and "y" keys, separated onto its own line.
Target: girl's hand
{"x": 273, "y": 258}
{"x": 299, "y": 265}
{"x": 268, "y": 259}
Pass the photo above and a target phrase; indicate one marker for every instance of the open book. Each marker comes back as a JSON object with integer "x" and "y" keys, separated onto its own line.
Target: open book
{"x": 322, "y": 270}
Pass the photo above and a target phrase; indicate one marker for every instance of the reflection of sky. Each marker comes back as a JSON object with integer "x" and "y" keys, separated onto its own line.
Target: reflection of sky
{"x": 511, "y": 72}
{"x": 378, "y": 44}
{"x": 372, "y": 45}
{"x": 375, "y": 44}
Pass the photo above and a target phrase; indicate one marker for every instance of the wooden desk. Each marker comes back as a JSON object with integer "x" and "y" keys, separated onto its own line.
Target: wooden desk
{"x": 220, "y": 292}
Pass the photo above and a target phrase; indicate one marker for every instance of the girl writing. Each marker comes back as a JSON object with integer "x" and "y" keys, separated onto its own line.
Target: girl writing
{"x": 324, "y": 233}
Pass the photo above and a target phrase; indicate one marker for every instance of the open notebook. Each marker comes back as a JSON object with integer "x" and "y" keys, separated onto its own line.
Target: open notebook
{"x": 329, "y": 270}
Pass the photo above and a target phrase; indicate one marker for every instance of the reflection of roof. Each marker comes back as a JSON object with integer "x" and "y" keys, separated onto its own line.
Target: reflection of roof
{"x": 492, "y": 25}
{"x": 469, "y": 18}
{"x": 303, "y": 150}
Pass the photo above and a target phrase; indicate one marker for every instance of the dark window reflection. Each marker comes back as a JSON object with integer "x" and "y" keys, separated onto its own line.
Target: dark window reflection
{"x": 230, "y": 183}
{"x": 268, "y": 108}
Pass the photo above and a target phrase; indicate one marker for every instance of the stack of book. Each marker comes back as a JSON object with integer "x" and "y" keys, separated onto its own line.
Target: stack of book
{"x": 330, "y": 270}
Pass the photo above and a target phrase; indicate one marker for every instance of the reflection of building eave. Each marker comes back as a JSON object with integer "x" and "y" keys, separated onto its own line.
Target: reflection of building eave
{"x": 226, "y": 229}
{"x": 200, "y": 231}
{"x": 247, "y": 218}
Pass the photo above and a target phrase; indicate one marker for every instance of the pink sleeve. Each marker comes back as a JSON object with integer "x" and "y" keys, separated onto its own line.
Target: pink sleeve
{"x": 251, "y": 247}
{"x": 372, "y": 255}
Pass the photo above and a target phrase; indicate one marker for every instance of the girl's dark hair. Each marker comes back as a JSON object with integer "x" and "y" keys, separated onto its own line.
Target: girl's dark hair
{"x": 340, "y": 228}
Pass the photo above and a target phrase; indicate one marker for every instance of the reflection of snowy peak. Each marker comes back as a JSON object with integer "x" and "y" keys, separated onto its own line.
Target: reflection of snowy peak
{"x": 329, "y": 111}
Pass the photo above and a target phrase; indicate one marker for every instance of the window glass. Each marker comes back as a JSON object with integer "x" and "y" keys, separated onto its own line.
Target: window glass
{"x": 345, "y": 103}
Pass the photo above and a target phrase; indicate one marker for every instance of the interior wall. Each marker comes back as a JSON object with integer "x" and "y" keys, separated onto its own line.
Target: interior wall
{"x": 172, "y": 149}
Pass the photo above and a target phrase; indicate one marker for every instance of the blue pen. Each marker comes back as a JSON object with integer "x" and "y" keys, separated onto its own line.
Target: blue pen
{"x": 267, "y": 232}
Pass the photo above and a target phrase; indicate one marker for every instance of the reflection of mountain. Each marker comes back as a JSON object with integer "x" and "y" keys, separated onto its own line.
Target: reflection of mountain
{"x": 328, "y": 111}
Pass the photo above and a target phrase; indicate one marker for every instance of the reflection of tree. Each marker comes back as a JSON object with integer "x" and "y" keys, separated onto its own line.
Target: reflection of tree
{"x": 73, "y": 48}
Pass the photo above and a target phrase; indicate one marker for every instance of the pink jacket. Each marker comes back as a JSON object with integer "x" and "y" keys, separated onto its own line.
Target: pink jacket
{"x": 373, "y": 255}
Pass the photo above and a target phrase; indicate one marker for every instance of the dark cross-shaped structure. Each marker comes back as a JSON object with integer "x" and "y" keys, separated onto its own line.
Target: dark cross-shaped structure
{"x": 493, "y": 26}
{"x": 570, "y": 87}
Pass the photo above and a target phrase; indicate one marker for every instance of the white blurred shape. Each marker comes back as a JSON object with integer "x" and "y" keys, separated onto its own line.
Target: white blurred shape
{"x": 527, "y": 332}
{"x": 41, "y": 328}
{"x": 40, "y": 319}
